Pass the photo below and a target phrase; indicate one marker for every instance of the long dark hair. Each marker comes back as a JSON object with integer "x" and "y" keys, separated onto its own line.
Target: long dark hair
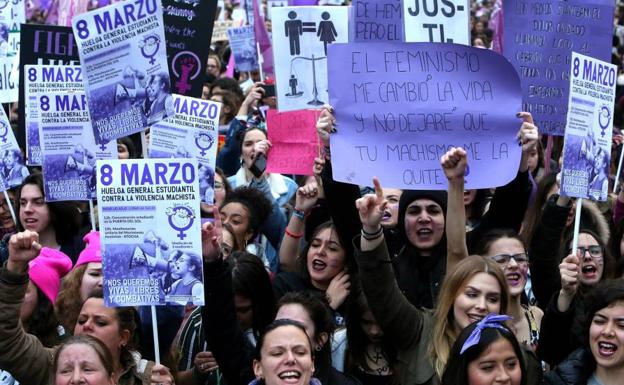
{"x": 456, "y": 371}
{"x": 43, "y": 322}
{"x": 357, "y": 340}
{"x": 251, "y": 280}
{"x": 302, "y": 261}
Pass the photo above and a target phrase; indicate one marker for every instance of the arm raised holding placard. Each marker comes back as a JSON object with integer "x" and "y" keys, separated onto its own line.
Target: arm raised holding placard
{"x": 509, "y": 203}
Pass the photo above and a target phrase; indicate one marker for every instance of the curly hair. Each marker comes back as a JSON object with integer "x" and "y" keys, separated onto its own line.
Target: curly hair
{"x": 256, "y": 203}
{"x": 68, "y": 303}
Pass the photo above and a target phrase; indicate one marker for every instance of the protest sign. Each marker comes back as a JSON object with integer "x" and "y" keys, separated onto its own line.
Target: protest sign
{"x": 122, "y": 53}
{"x": 539, "y": 39}
{"x": 150, "y": 229}
{"x": 376, "y": 20}
{"x": 243, "y": 44}
{"x": 41, "y": 80}
{"x": 294, "y": 141}
{"x": 437, "y": 21}
{"x": 12, "y": 14}
{"x": 191, "y": 133}
{"x": 219, "y": 33}
{"x": 188, "y": 26}
{"x": 301, "y": 36}
{"x": 587, "y": 145}
{"x": 400, "y": 107}
{"x": 12, "y": 169}
{"x": 68, "y": 148}
{"x": 41, "y": 44}
{"x": 274, "y": 3}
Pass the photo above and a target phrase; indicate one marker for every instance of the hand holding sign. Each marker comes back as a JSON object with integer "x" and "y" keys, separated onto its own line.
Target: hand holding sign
{"x": 527, "y": 137}
{"x": 326, "y": 124}
{"x": 23, "y": 248}
{"x": 371, "y": 208}
{"x": 569, "y": 271}
{"x": 455, "y": 163}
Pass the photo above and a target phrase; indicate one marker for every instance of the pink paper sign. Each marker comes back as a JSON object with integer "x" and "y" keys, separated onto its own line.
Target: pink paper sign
{"x": 294, "y": 140}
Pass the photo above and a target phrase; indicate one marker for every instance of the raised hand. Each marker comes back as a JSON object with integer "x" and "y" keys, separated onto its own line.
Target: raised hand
{"x": 371, "y": 208}
{"x": 326, "y": 124}
{"x": 161, "y": 375}
{"x": 527, "y": 137}
{"x": 23, "y": 248}
{"x": 569, "y": 270}
{"x": 306, "y": 197}
{"x": 454, "y": 163}
{"x": 211, "y": 237}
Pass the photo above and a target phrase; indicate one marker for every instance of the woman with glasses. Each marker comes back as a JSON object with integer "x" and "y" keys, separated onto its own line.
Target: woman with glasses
{"x": 581, "y": 270}
{"x": 505, "y": 247}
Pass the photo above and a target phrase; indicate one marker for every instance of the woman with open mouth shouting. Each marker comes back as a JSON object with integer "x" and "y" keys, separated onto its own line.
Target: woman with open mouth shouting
{"x": 580, "y": 270}
{"x": 473, "y": 287}
{"x": 505, "y": 247}
{"x": 600, "y": 359}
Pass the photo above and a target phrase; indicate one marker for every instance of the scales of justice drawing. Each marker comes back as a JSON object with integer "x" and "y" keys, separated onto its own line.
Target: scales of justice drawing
{"x": 294, "y": 30}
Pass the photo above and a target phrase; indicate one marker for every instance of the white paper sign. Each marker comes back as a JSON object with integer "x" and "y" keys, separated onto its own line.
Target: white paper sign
{"x": 437, "y": 21}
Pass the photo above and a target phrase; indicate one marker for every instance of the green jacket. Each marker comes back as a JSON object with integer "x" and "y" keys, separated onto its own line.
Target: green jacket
{"x": 408, "y": 328}
{"x": 22, "y": 355}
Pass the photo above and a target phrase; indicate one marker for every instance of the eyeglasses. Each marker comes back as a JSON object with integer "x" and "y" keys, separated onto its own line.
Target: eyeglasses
{"x": 595, "y": 251}
{"x": 503, "y": 259}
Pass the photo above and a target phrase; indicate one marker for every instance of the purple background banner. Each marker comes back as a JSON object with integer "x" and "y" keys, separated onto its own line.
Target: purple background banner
{"x": 400, "y": 106}
{"x": 539, "y": 39}
{"x": 376, "y": 20}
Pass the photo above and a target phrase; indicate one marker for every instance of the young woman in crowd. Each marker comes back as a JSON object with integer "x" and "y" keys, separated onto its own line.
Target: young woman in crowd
{"x": 600, "y": 359}
{"x": 29, "y": 361}
{"x": 255, "y": 309}
{"x": 369, "y": 356}
{"x": 552, "y": 228}
{"x": 230, "y": 103}
{"x": 56, "y": 222}
{"x": 580, "y": 271}
{"x": 505, "y": 247}
{"x": 7, "y": 224}
{"x": 248, "y": 211}
{"x": 228, "y": 343}
{"x": 85, "y": 276}
{"x": 37, "y": 314}
{"x": 83, "y": 360}
{"x": 284, "y": 353}
{"x": 486, "y": 352}
{"x": 473, "y": 287}
{"x": 419, "y": 254}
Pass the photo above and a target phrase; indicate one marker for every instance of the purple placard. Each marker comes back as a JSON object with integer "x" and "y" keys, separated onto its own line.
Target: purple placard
{"x": 376, "y": 20}
{"x": 539, "y": 39}
{"x": 400, "y": 106}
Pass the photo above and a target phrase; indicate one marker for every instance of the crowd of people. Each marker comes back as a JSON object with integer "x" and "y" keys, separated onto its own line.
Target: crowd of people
{"x": 310, "y": 281}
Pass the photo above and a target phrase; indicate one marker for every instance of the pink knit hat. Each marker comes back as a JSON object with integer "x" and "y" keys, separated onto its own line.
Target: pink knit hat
{"x": 47, "y": 270}
{"x": 92, "y": 251}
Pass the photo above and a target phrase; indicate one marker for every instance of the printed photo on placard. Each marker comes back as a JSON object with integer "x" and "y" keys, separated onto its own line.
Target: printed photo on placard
{"x": 191, "y": 133}
{"x": 150, "y": 227}
{"x": 12, "y": 168}
{"x": 123, "y": 55}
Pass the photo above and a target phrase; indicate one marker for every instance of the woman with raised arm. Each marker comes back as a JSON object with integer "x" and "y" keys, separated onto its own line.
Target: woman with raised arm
{"x": 423, "y": 339}
{"x": 30, "y": 362}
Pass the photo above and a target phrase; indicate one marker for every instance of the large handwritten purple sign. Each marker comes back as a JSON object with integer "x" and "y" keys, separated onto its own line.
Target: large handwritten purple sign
{"x": 539, "y": 39}
{"x": 401, "y": 106}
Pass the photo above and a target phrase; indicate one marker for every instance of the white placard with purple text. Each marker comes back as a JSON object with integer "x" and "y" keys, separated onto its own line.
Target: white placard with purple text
{"x": 587, "y": 140}
{"x": 123, "y": 54}
{"x": 68, "y": 148}
{"x": 12, "y": 15}
{"x": 42, "y": 80}
{"x": 150, "y": 227}
{"x": 12, "y": 169}
{"x": 192, "y": 133}
{"x": 437, "y": 21}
